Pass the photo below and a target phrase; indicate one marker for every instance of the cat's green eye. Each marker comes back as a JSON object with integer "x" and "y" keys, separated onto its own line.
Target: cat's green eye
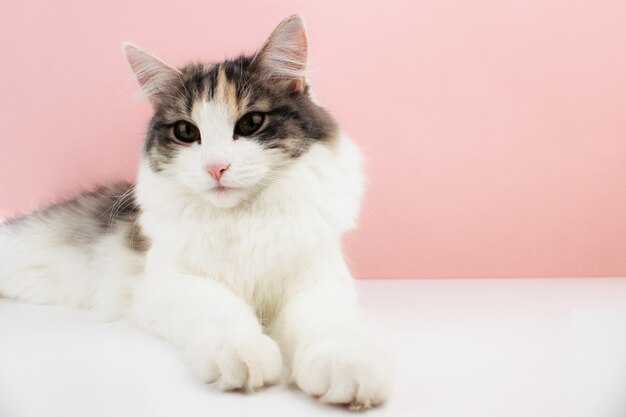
{"x": 186, "y": 132}
{"x": 249, "y": 123}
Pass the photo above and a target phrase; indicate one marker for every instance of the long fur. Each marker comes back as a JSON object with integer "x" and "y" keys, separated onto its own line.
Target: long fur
{"x": 245, "y": 280}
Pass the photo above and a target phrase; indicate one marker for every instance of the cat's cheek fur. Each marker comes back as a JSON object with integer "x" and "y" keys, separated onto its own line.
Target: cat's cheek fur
{"x": 249, "y": 166}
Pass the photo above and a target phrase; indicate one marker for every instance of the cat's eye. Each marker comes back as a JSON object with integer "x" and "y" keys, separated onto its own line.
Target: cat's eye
{"x": 186, "y": 132}
{"x": 249, "y": 123}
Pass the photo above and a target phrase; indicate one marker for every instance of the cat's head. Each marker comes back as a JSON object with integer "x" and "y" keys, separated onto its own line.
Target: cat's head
{"x": 226, "y": 130}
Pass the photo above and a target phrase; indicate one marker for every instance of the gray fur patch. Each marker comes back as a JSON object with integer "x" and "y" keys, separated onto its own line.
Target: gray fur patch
{"x": 294, "y": 121}
{"x": 136, "y": 240}
{"x": 86, "y": 218}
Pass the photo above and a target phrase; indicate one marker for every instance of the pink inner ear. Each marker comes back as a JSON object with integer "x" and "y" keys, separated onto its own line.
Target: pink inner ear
{"x": 301, "y": 39}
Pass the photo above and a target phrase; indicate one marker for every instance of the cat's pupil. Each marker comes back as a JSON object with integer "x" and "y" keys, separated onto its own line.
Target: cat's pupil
{"x": 186, "y": 132}
{"x": 254, "y": 120}
{"x": 249, "y": 123}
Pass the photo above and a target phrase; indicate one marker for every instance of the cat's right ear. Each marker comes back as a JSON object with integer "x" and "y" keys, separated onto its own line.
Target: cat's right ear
{"x": 155, "y": 76}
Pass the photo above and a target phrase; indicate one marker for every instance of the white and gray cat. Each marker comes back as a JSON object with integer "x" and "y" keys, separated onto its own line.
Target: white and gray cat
{"x": 229, "y": 243}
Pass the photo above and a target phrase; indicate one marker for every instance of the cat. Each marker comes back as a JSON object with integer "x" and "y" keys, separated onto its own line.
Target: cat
{"x": 228, "y": 245}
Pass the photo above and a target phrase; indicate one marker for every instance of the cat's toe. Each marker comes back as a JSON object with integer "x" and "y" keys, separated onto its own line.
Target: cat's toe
{"x": 343, "y": 372}
{"x": 237, "y": 363}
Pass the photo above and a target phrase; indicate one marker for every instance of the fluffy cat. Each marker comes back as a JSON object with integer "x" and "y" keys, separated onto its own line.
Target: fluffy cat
{"x": 229, "y": 243}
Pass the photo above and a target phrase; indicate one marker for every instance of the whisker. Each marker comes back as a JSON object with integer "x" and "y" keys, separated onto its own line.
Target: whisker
{"x": 120, "y": 204}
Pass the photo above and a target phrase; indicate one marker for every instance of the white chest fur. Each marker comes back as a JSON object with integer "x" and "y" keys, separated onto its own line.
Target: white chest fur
{"x": 266, "y": 248}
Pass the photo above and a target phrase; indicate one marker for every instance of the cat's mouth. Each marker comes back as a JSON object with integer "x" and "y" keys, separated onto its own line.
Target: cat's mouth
{"x": 223, "y": 189}
{"x": 223, "y": 196}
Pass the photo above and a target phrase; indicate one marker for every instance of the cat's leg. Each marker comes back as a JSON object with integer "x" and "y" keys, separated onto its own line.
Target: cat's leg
{"x": 330, "y": 353}
{"x": 218, "y": 332}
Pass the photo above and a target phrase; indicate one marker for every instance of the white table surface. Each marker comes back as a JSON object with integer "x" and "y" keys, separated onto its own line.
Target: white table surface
{"x": 461, "y": 348}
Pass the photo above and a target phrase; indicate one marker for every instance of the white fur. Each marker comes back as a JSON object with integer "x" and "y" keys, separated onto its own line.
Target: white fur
{"x": 212, "y": 273}
{"x": 213, "y": 277}
{"x": 241, "y": 280}
{"x": 278, "y": 257}
{"x": 39, "y": 266}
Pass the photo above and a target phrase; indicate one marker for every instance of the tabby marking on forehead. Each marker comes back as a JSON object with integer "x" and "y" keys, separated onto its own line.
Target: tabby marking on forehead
{"x": 226, "y": 92}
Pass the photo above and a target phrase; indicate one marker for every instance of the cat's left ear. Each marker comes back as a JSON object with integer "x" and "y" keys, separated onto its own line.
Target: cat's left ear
{"x": 283, "y": 58}
{"x": 155, "y": 76}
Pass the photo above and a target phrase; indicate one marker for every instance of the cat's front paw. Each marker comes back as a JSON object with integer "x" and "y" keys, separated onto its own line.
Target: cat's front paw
{"x": 234, "y": 362}
{"x": 343, "y": 371}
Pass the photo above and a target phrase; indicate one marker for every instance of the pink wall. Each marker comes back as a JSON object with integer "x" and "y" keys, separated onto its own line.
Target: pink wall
{"x": 495, "y": 129}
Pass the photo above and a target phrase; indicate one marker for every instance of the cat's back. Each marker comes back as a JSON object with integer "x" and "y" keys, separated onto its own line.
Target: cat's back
{"x": 80, "y": 220}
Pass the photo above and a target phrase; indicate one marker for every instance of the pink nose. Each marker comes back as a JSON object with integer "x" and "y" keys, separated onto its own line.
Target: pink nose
{"x": 216, "y": 170}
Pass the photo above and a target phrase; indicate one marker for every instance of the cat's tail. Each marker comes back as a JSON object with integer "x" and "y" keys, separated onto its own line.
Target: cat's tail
{"x": 73, "y": 253}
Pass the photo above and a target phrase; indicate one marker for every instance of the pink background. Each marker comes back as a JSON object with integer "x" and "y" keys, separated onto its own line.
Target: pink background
{"x": 495, "y": 130}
